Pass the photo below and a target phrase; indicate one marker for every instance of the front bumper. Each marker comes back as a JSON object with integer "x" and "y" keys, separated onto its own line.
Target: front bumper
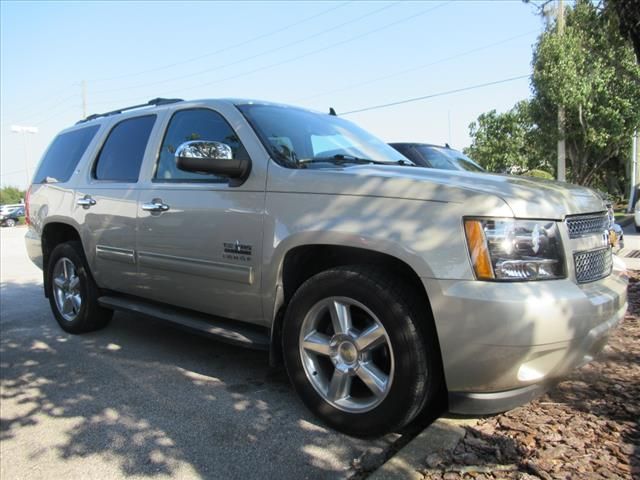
{"x": 502, "y": 344}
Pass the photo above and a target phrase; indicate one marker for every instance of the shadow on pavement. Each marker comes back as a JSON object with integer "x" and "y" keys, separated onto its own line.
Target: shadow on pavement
{"x": 157, "y": 401}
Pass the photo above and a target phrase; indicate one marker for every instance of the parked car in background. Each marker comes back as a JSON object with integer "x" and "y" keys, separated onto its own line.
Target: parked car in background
{"x": 436, "y": 156}
{"x": 12, "y": 216}
{"x": 636, "y": 216}
{"x": 8, "y": 208}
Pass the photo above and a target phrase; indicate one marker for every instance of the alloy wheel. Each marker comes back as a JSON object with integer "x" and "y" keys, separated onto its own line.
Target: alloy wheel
{"x": 346, "y": 354}
{"x": 66, "y": 289}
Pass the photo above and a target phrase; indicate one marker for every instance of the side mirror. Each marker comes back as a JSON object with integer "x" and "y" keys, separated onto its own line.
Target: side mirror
{"x": 202, "y": 156}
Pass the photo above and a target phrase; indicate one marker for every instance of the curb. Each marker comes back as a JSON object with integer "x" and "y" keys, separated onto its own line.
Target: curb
{"x": 441, "y": 436}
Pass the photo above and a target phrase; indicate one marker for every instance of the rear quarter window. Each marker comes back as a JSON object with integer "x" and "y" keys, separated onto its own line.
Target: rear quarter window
{"x": 122, "y": 153}
{"x": 63, "y": 155}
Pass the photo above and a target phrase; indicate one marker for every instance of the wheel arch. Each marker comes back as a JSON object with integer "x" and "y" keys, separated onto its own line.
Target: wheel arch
{"x": 302, "y": 262}
{"x": 53, "y": 234}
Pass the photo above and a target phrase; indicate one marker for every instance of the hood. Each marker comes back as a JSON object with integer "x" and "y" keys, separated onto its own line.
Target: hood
{"x": 526, "y": 197}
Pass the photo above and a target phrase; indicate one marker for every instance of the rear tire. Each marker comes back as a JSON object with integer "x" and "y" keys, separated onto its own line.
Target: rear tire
{"x": 10, "y": 222}
{"x": 73, "y": 295}
{"x": 359, "y": 351}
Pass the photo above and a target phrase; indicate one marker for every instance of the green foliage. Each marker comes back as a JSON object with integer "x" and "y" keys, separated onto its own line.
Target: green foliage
{"x": 591, "y": 71}
{"x": 504, "y": 140}
{"x": 626, "y": 13}
{"x": 9, "y": 195}
{"x": 539, "y": 174}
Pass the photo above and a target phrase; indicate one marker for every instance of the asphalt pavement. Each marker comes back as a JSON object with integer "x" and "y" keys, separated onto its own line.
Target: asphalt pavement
{"x": 630, "y": 253}
{"x": 142, "y": 399}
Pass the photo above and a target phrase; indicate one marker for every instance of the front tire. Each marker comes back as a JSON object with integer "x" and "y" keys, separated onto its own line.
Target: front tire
{"x": 73, "y": 295}
{"x": 359, "y": 352}
{"x": 10, "y": 222}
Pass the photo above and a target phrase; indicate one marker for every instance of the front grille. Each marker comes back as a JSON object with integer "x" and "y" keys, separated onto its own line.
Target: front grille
{"x": 593, "y": 265}
{"x": 584, "y": 225}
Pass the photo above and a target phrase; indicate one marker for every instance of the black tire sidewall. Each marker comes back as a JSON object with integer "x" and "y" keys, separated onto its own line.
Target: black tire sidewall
{"x": 411, "y": 369}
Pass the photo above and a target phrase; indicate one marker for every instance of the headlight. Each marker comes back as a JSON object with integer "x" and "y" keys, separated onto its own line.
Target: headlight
{"x": 507, "y": 249}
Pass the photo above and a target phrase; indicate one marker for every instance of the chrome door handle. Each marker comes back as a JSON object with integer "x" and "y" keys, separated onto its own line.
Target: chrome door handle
{"x": 86, "y": 202}
{"x": 155, "y": 206}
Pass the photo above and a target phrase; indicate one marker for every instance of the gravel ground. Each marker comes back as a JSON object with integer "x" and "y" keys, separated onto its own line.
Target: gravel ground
{"x": 587, "y": 427}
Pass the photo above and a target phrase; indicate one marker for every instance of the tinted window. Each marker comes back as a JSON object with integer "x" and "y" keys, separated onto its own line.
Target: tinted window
{"x": 122, "y": 153}
{"x": 196, "y": 124}
{"x": 408, "y": 152}
{"x": 63, "y": 155}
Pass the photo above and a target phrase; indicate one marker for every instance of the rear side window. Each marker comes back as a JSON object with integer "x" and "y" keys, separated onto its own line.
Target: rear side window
{"x": 122, "y": 153}
{"x": 63, "y": 155}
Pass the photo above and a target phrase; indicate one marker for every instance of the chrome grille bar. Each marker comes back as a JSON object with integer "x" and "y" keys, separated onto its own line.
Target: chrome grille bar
{"x": 585, "y": 225}
{"x": 593, "y": 265}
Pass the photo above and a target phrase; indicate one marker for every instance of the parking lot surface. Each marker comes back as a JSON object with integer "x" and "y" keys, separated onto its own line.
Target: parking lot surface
{"x": 142, "y": 399}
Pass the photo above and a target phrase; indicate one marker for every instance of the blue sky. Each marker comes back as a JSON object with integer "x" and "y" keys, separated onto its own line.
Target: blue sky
{"x": 346, "y": 55}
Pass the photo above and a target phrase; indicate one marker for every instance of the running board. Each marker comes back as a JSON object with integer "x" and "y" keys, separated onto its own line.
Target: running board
{"x": 229, "y": 331}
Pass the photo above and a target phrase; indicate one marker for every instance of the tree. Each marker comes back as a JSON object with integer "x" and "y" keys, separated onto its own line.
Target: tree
{"x": 501, "y": 141}
{"x": 9, "y": 195}
{"x": 591, "y": 71}
{"x": 627, "y": 15}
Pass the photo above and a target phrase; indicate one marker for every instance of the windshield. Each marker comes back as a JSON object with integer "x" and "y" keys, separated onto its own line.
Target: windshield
{"x": 299, "y": 138}
{"x": 448, "y": 159}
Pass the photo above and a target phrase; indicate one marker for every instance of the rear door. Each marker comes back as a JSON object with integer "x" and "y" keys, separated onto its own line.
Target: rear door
{"x": 200, "y": 238}
{"x": 106, "y": 204}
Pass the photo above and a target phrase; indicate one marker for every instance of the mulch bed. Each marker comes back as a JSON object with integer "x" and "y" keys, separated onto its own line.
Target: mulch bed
{"x": 587, "y": 427}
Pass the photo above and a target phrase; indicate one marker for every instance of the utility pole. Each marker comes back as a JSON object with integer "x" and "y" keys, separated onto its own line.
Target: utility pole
{"x": 84, "y": 99}
{"x": 634, "y": 172}
{"x": 562, "y": 158}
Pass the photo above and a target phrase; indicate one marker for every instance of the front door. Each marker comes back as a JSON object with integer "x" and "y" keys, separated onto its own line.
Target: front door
{"x": 200, "y": 239}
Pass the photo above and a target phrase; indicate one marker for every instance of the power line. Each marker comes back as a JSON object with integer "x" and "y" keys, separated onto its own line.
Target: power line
{"x": 59, "y": 104}
{"x": 58, "y": 114}
{"x": 313, "y": 52}
{"x": 289, "y": 60}
{"x": 439, "y": 94}
{"x": 251, "y": 57}
{"x": 40, "y": 102}
{"x": 245, "y": 42}
{"x": 230, "y": 47}
{"x": 419, "y": 67}
{"x": 4, "y": 174}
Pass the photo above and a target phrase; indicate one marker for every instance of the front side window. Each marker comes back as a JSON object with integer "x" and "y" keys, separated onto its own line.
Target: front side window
{"x": 121, "y": 155}
{"x": 298, "y": 138}
{"x": 64, "y": 154}
{"x": 196, "y": 124}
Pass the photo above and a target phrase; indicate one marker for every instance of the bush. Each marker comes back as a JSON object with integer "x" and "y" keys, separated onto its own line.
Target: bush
{"x": 539, "y": 174}
{"x": 11, "y": 195}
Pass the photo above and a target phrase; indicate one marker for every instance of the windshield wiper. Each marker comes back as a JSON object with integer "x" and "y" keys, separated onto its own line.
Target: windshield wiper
{"x": 341, "y": 159}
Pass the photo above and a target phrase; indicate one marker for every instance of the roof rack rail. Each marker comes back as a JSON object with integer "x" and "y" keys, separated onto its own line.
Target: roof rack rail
{"x": 156, "y": 102}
